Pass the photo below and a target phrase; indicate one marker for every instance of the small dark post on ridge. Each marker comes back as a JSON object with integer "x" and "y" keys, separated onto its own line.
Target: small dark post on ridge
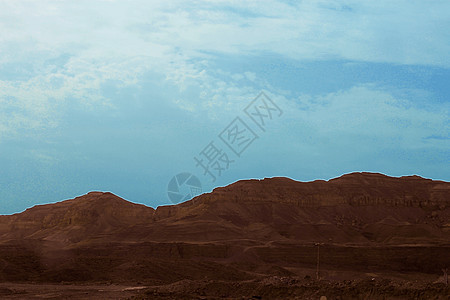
{"x": 318, "y": 259}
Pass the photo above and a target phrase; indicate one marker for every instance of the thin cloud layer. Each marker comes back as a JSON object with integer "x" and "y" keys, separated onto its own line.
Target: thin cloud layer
{"x": 86, "y": 83}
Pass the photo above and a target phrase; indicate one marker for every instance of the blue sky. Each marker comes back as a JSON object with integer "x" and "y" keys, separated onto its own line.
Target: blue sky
{"x": 121, "y": 96}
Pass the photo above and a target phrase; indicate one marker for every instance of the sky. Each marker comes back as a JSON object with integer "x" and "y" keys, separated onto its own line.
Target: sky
{"x": 151, "y": 99}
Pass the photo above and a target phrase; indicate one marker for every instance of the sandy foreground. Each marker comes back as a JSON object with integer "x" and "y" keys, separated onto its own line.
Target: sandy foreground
{"x": 274, "y": 287}
{"x": 66, "y": 291}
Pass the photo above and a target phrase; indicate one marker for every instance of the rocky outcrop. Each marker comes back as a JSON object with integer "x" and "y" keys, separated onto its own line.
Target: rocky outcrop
{"x": 356, "y": 189}
{"x": 248, "y": 227}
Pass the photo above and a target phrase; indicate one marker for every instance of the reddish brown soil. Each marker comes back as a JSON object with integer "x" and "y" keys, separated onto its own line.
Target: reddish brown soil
{"x": 252, "y": 238}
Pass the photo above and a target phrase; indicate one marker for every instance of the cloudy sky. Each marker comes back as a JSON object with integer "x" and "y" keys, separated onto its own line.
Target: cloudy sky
{"x": 121, "y": 96}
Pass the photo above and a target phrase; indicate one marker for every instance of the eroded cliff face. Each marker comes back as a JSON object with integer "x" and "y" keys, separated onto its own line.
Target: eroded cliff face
{"x": 82, "y": 217}
{"x": 354, "y": 207}
{"x": 357, "y": 207}
{"x": 260, "y": 226}
{"x": 358, "y": 189}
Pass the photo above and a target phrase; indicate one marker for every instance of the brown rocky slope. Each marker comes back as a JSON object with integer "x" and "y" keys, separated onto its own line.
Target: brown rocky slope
{"x": 367, "y": 223}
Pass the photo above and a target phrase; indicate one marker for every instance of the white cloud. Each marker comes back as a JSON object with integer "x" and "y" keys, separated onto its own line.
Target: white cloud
{"x": 397, "y": 32}
{"x": 121, "y": 40}
{"x": 370, "y": 111}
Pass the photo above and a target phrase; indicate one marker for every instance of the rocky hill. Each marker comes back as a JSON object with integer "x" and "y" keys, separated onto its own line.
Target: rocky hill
{"x": 365, "y": 222}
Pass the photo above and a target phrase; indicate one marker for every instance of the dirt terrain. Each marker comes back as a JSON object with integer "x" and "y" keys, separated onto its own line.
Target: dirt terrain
{"x": 378, "y": 237}
{"x": 274, "y": 287}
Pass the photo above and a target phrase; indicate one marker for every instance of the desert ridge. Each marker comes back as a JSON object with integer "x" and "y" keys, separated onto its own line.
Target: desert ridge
{"x": 365, "y": 222}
